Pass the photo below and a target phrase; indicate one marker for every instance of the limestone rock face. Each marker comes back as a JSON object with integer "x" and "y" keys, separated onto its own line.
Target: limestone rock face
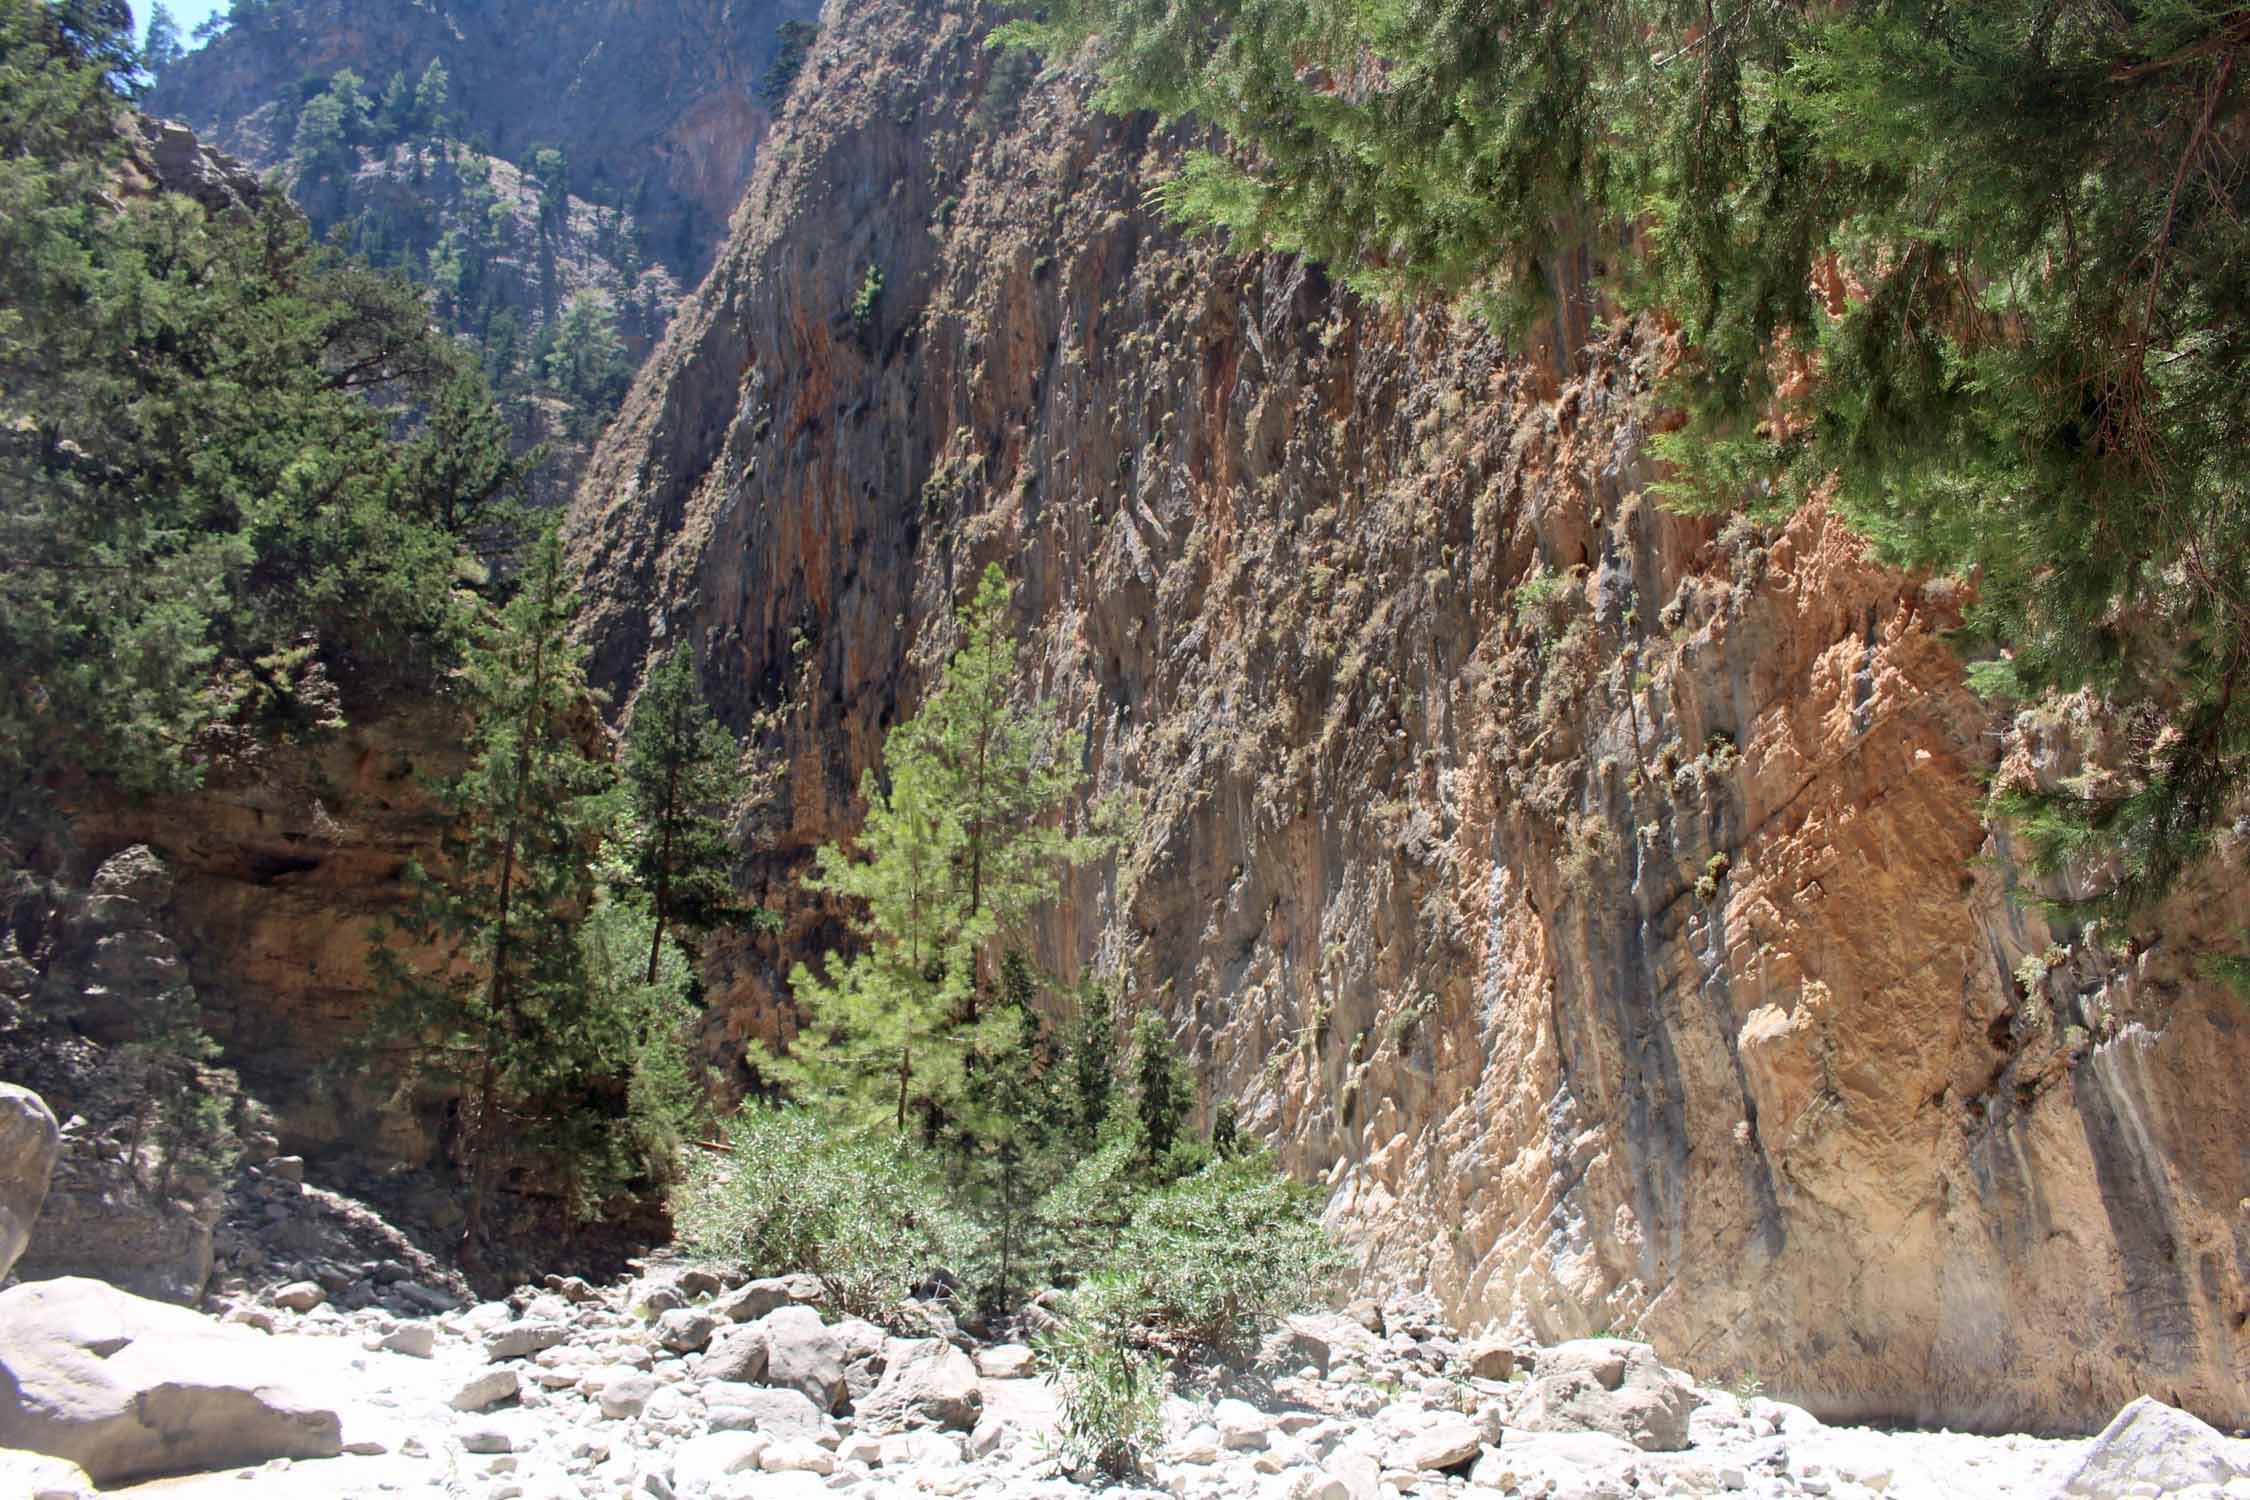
{"x": 119, "y": 1207}
{"x": 1597, "y": 900}
{"x": 169, "y": 156}
{"x": 656, "y": 104}
{"x": 29, "y": 1142}
{"x": 124, "y": 1387}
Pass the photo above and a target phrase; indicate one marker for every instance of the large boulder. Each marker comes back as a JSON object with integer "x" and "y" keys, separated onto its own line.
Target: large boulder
{"x": 926, "y": 1383}
{"x": 126, "y": 1388}
{"x": 1320, "y": 1340}
{"x": 29, "y": 1143}
{"x": 2150, "y": 1449}
{"x": 802, "y": 1355}
{"x": 1614, "y": 1387}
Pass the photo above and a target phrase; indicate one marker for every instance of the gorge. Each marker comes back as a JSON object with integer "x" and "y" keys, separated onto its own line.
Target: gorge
{"x": 1602, "y": 905}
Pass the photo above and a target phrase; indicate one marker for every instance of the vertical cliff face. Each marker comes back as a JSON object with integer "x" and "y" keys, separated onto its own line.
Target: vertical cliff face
{"x": 1596, "y": 900}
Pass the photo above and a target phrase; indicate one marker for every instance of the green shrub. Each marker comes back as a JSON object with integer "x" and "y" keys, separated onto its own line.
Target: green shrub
{"x": 1111, "y": 1399}
{"x": 866, "y": 1216}
{"x": 1212, "y": 1261}
{"x": 1205, "y": 1266}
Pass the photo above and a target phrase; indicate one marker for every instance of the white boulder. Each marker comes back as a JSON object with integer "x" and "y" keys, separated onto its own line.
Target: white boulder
{"x": 126, "y": 1387}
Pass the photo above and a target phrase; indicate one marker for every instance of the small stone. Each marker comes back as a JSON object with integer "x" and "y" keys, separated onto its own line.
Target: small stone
{"x": 797, "y": 1456}
{"x": 623, "y": 1392}
{"x": 422, "y": 1298}
{"x": 287, "y": 1168}
{"x": 416, "y": 1339}
{"x": 522, "y": 1340}
{"x": 1445, "y": 1442}
{"x": 1199, "y": 1445}
{"x": 507, "y": 1432}
{"x": 485, "y": 1390}
{"x": 776, "y": 1413}
{"x": 299, "y": 1296}
{"x": 1242, "y": 1427}
{"x": 987, "y": 1436}
{"x": 1005, "y": 1362}
{"x": 685, "y": 1330}
{"x": 700, "y": 1463}
{"x": 918, "y": 1451}
{"x": 1493, "y": 1472}
{"x": 1491, "y": 1359}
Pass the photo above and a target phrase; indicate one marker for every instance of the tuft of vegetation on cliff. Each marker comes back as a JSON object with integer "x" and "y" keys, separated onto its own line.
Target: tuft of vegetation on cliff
{"x": 1974, "y": 272}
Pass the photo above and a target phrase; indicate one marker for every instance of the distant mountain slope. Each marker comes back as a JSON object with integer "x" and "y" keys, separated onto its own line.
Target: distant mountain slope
{"x": 556, "y": 173}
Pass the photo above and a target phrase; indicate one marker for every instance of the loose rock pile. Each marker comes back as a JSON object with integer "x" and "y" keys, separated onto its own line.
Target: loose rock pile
{"x": 695, "y": 1383}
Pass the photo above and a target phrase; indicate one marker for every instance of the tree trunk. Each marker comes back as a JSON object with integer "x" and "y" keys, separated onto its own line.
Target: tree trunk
{"x": 905, "y": 1069}
{"x": 663, "y": 871}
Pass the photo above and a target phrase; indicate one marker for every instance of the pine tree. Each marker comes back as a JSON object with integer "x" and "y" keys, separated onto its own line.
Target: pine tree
{"x": 395, "y": 117}
{"x": 101, "y": 33}
{"x": 585, "y": 361}
{"x": 1092, "y": 1051}
{"x": 1162, "y": 1095}
{"x": 507, "y": 1013}
{"x": 956, "y": 852}
{"x": 682, "y": 770}
{"x": 433, "y": 100}
{"x": 320, "y": 152}
{"x": 160, "y": 40}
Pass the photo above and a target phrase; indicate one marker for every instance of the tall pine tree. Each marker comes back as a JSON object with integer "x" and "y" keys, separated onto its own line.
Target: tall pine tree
{"x": 962, "y": 843}
{"x": 507, "y": 1013}
{"x": 682, "y": 769}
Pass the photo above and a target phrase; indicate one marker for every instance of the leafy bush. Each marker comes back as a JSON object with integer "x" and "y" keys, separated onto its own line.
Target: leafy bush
{"x": 1112, "y": 1399}
{"x": 1211, "y": 1262}
{"x": 864, "y": 1215}
{"x": 1205, "y": 1266}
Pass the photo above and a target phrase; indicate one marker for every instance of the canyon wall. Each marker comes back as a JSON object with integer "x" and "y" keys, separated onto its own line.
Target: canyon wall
{"x": 1596, "y": 900}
